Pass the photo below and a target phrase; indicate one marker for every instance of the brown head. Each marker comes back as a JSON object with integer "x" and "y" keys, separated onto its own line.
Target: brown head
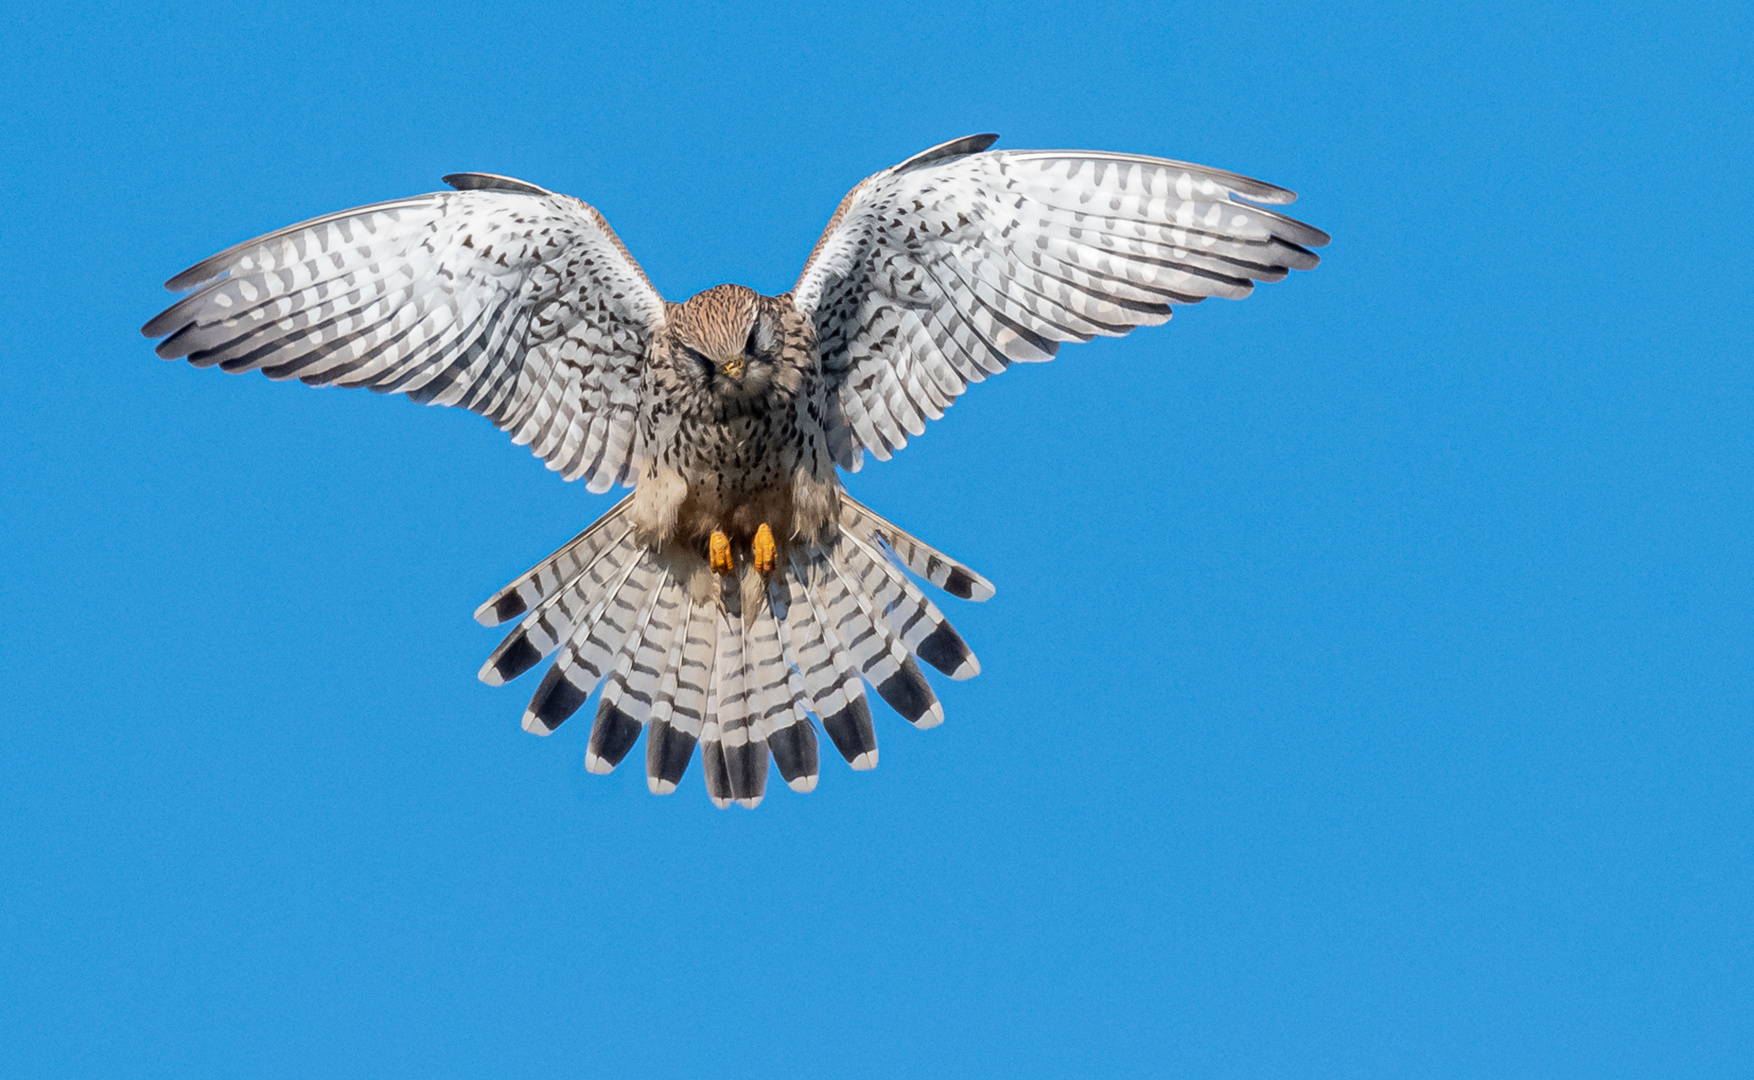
{"x": 726, "y": 338}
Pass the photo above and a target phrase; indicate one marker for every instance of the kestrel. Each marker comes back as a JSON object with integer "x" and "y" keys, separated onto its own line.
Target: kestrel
{"x": 738, "y": 591}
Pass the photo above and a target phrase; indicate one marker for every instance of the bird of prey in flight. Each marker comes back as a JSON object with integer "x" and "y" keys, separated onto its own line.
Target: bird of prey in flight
{"x": 738, "y": 592}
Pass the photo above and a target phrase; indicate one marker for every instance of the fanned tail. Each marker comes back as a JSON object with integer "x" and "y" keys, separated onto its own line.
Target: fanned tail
{"x": 743, "y": 670}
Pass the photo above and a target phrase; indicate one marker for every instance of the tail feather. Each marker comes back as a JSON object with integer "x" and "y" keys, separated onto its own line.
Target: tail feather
{"x": 592, "y": 647}
{"x": 830, "y": 675}
{"x": 712, "y": 747}
{"x": 917, "y": 555}
{"x": 557, "y": 570}
{"x": 919, "y": 624}
{"x": 626, "y": 701}
{"x": 668, "y": 749}
{"x": 741, "y": 743}
{"x": 745, "y": 687}
{"x": 679, "y": 719}
{"x": 882, "y": 659}
{"x": 551, "y": 622}
{"x": 784, "y": 721}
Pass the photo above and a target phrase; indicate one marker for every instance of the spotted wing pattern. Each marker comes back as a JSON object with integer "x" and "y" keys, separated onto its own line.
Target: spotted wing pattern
{"x": 950, "y": 266}
{"x": 511, "y": 301}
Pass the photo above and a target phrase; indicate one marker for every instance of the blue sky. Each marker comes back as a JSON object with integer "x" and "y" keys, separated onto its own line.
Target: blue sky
{"x": 1367, "y": 692}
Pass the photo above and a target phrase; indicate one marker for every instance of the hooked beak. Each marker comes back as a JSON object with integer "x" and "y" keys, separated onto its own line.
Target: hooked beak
{"x": 732, "y": 367}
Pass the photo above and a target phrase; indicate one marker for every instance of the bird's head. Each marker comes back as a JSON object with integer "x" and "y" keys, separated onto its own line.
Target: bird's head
{"x": 725, "y": 341}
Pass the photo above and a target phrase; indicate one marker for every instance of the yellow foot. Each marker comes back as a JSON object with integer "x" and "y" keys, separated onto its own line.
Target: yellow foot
{"x": 718, "y": 551}
{"x": 764, "y": 549}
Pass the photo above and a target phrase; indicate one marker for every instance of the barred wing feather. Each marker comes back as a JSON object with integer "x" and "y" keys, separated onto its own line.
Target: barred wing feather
{"x": 960, "y": 261}
{"x": 510, "y": 301}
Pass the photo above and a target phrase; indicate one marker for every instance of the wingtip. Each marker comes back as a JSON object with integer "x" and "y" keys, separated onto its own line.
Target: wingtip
{"x": 968, "y": 144}
{"x": 474, "y": 181}
{"x": 657, "y": 785}
{"x": 199, "y": 274}
{"x": 597, "y": 765}
{"x": 803, "y": 785}
{"x": 534, "y": 725}
{"x": 865, "y": 761}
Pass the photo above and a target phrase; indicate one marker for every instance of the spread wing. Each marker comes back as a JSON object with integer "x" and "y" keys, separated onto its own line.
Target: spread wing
{"x": 950, "y": 266}
{"x": 511, "y": 301}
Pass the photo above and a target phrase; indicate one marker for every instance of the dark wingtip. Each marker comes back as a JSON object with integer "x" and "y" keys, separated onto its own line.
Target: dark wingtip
{"x": 968, "y": 144}
{"x": 478, "y": 181}
{"x": 202, "y": 272}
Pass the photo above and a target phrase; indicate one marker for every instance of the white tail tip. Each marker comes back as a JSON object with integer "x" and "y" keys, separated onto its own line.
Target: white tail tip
{"x": 535, "y": 726}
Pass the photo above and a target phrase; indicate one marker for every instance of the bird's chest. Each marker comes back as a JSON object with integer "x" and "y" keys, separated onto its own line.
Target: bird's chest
{"x": 735, "y": 451}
